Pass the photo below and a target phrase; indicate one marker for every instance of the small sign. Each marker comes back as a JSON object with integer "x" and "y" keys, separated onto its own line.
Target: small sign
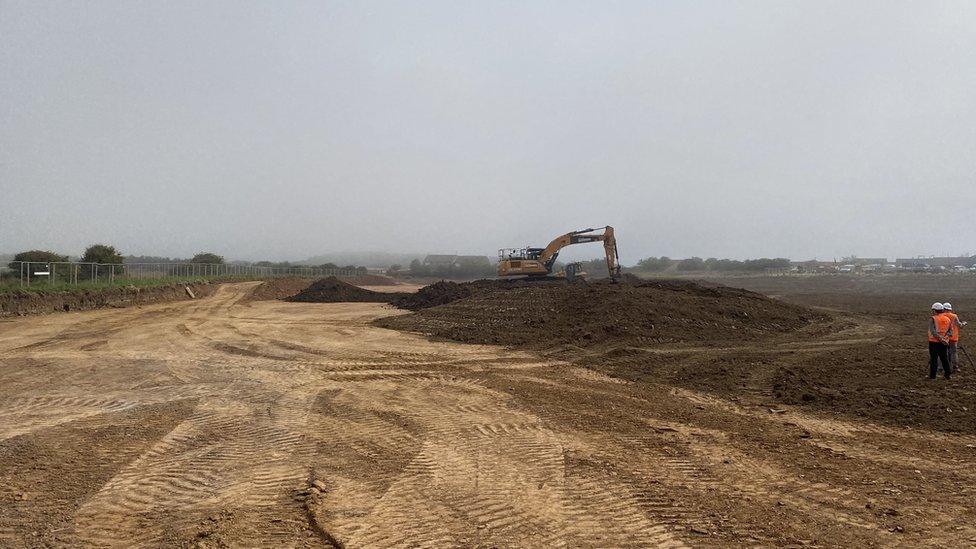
{"x": 42, "y": 273}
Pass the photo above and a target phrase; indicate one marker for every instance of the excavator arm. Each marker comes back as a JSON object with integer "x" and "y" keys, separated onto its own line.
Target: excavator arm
{"x": 551, "y": 252}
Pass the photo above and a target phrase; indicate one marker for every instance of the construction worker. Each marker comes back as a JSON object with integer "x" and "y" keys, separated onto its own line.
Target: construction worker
{"x": 954, "y": 338}
{"x": 940, "y": 329}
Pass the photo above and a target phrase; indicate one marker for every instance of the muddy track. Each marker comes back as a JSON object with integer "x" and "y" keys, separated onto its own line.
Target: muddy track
{"x": 226, "y": 422}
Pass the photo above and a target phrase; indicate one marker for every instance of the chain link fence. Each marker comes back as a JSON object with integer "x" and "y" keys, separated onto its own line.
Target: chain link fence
{"x": 29, "y": 273}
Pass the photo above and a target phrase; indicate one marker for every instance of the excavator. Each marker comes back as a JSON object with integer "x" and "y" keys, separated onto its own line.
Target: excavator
{"x": 538, "y": 262}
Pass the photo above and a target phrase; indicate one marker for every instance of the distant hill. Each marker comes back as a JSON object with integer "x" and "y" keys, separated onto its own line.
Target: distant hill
{"x": 366, "y": 259}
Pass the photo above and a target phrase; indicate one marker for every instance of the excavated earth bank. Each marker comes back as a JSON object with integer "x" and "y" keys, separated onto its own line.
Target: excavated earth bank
{"x": 631, "y": 313}
{"x": 30, "y": 302}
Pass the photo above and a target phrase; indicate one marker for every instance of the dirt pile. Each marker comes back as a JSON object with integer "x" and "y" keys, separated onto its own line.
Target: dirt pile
{"x": 279, "y": 288}
{"x": 334, "y": 290}
{"x": 632, "y": 313}
{"x": 439, "y": 293}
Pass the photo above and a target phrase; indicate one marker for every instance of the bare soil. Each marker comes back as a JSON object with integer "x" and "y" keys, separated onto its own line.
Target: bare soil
{"x": 432, "y": 295}
{"x": 864, "y": 357}
{"x": 279, "y": 288}
{"x": 221, "y": 422}
{"x": 613, "y": 317}
{"x": 28, "y": 302}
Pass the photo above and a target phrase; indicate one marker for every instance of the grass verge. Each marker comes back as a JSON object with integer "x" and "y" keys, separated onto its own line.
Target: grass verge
{"x": 46, "y": 287}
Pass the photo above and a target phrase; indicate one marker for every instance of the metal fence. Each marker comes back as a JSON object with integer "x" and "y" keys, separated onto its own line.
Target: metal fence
{"x": 27, "y": 273}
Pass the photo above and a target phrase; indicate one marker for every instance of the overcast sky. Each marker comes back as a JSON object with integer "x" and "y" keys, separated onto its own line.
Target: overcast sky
{"x": 285, "y": 129}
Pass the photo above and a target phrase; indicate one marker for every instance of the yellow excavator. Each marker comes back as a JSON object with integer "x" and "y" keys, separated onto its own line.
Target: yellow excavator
{"x": 538, "y": 262}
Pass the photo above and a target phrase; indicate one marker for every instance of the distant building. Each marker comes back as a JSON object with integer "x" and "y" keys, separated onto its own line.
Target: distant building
{"x": 814, "y": 266}
{"x": 866, "y": 260}
{"x": 438, "y": 260}
{"x": 923, "y": 262}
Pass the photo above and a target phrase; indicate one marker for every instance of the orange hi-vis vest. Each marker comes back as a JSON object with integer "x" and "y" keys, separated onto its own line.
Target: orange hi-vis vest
{"x": 942, "y": 324}
{"x": 954, "y": 322}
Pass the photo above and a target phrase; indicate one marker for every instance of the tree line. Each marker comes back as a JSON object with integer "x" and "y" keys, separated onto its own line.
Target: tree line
{"x": 105, "y": 254}
{"x": 462, "y": 270}
{"x": 108, "y": 255}
{"x": 693, "y": 264}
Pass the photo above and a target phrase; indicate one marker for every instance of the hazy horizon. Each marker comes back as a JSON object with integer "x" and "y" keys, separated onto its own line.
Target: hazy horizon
{"x": 290, "y": 130}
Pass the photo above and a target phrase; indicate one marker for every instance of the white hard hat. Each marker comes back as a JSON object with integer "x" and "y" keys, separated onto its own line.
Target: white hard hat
{"x": 938, "y": 307}
{"x": 947, "y": 306}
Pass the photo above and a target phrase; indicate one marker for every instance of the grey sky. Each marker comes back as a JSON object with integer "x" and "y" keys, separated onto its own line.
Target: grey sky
{"x": 287, "y": 129}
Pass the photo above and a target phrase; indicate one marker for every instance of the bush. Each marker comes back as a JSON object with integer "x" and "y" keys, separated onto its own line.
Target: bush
{"x": 418, "y": 269}
{"x": 35, "y": 255}
{"x": 207, "y": 257}
{"x": 654, "y": 264}
{"x": 39, "y": 256}
{"x": 101, "y": 253}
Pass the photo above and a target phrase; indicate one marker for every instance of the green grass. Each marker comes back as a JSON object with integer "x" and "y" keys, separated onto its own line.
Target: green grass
{"x": 8, "y": 286}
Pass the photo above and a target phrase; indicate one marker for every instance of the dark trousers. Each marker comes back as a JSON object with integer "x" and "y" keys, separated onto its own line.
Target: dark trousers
{"x": 937, "y": 352}
{"x": 952, "y": 355}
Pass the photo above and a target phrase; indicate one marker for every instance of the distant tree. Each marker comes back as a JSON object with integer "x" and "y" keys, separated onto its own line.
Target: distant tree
{"x": 764, "y": 263}
{"x": 101, "y": 253}
{"x": 207, "y": 257}
{"x": 809, "y": 266}
{"x": 329, "y": 266}
{"x": 149, "y": 259}
{"x": 654, "y": 264}
{"x": 726, "y": 265}
{"x": 691, "y": 264}
{"x": 418, "y": 269}
{"x": 394, "y": 271}
{"x": 35, "y": 255}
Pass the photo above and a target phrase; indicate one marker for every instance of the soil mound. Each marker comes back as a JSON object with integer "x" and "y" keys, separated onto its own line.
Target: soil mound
{"x": 279, "y": 288}
{"x": 333, "y": 290}
{"x": 439, "y": 293}
{"x": 632, "y": 313}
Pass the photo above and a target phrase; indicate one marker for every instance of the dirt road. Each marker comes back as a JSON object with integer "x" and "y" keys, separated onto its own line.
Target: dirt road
{"x": 224, "y": 422}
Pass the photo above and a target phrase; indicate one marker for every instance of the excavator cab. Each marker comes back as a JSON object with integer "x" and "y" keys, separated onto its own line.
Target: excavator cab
{"x": 520, "y": 253}
{"x": 574, "y": 272}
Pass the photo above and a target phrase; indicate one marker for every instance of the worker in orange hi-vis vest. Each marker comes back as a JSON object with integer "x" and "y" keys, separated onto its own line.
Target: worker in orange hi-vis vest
{"x": 940, "y": 328}
{"x": 955, "y": 325}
